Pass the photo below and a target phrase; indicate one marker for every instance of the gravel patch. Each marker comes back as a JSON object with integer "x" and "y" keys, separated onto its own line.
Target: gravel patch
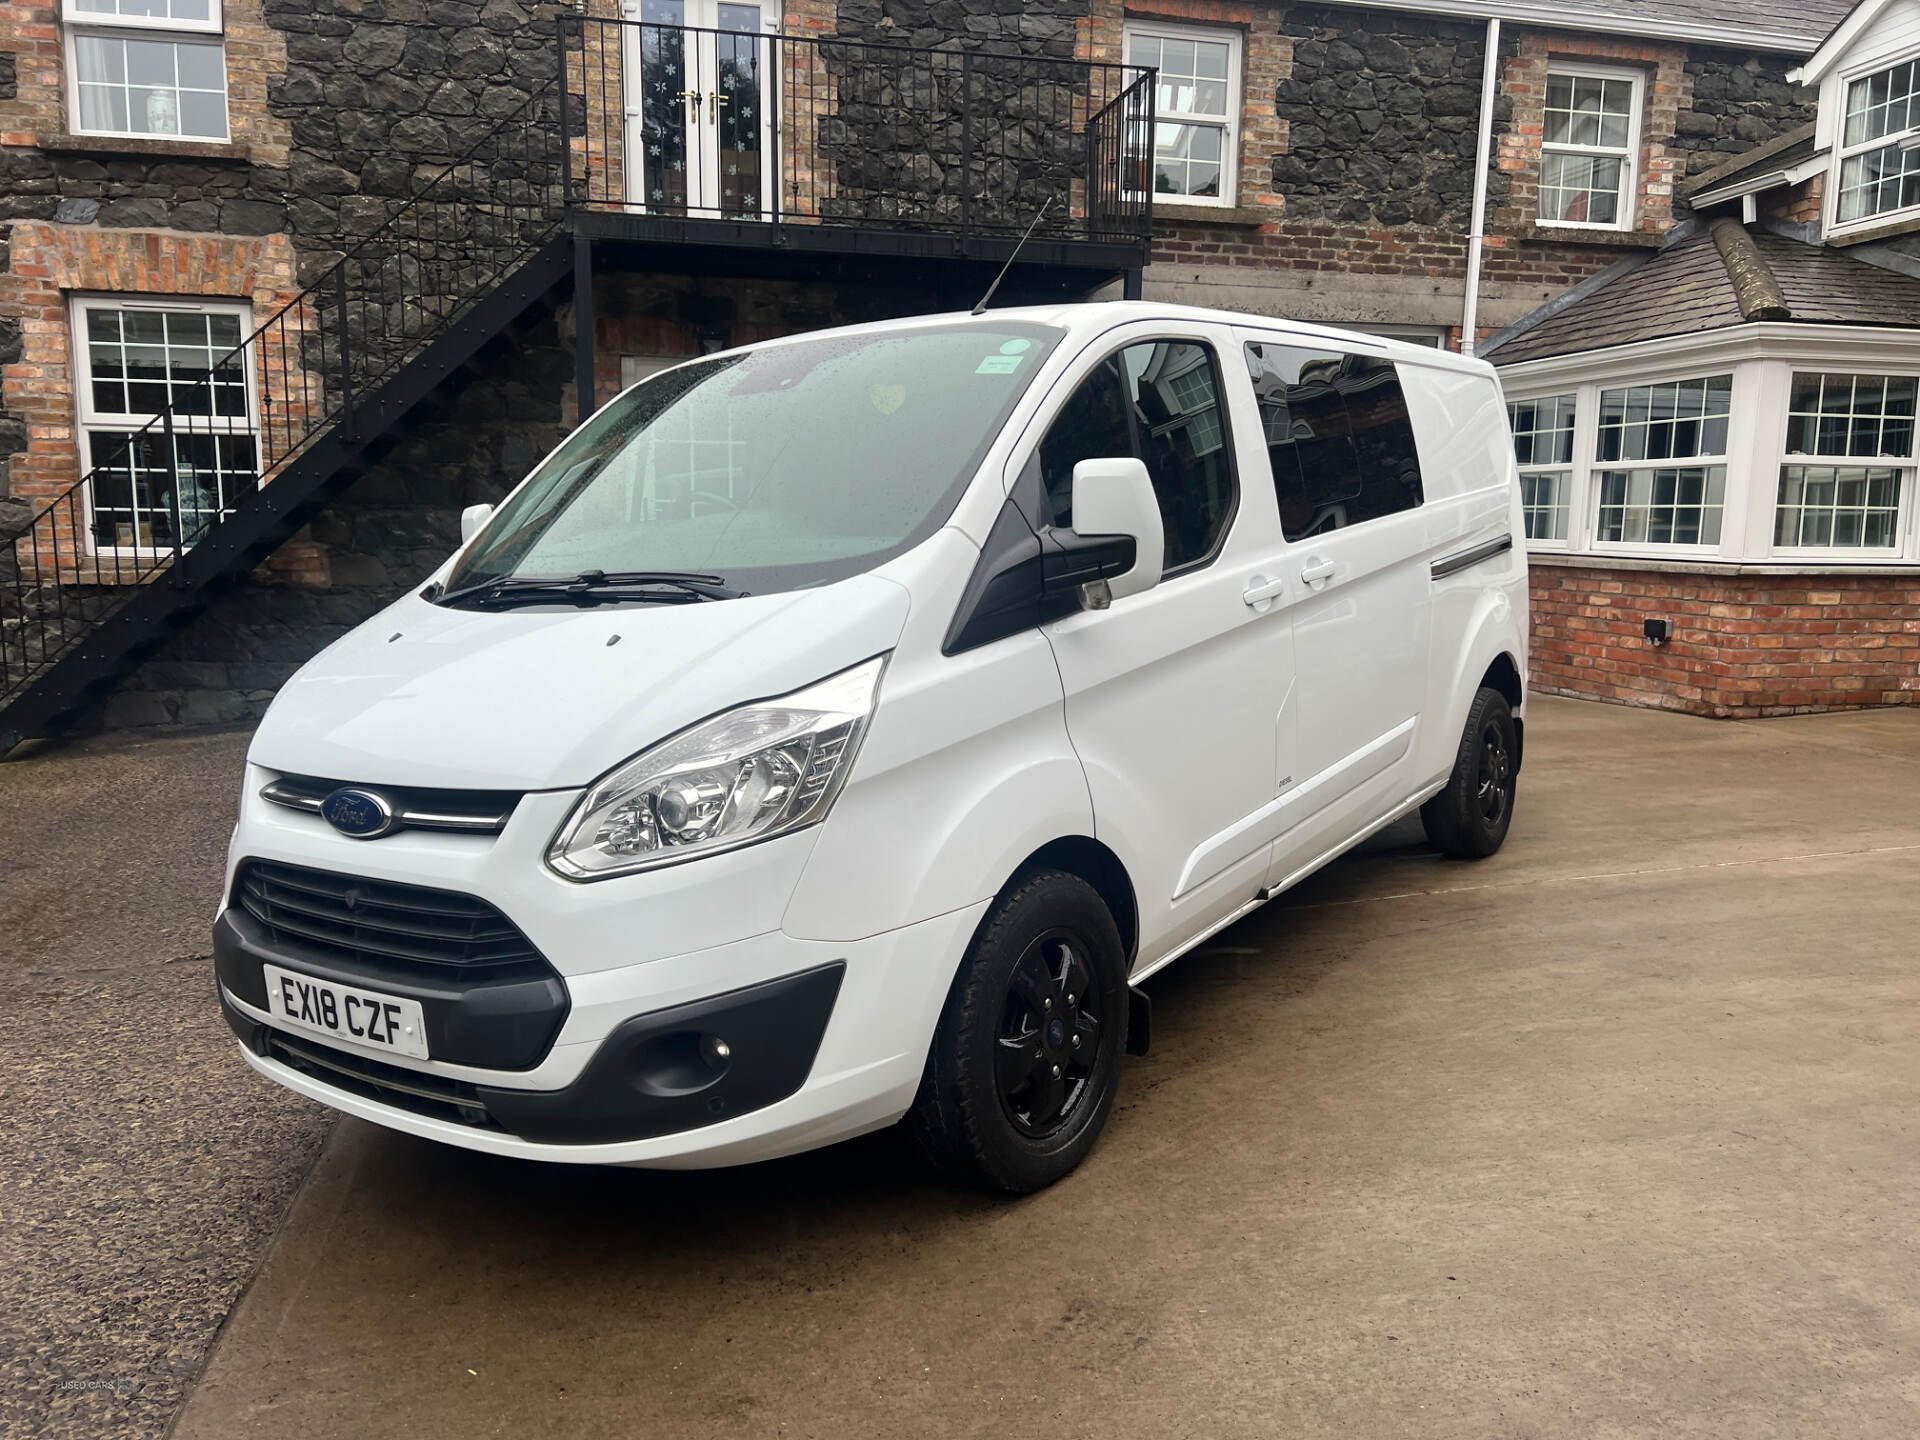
{"x": 143, "y": 1168}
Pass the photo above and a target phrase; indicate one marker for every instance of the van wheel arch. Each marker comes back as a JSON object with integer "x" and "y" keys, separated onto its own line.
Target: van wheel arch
{"x": 1503, "y": 675}
{"x": 1087, "y": 858}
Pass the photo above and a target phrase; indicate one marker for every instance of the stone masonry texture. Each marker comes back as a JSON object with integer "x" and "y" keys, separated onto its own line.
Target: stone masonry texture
{"x": 1381, "y": 116}
{"x": 1356, "y": 165}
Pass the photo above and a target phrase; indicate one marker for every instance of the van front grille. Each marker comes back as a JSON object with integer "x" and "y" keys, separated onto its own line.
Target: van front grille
{"x": 381, "y": 923}
{"x": 469, "y": 812}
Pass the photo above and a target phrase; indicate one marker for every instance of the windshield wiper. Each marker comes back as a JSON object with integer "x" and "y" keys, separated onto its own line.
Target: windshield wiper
{"x": 591, "y": 587}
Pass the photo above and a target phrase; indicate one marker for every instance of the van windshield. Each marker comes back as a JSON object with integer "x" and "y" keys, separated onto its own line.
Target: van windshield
{"x": 789, "y": 466}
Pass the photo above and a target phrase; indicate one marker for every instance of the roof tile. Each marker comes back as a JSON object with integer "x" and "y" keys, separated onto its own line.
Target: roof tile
{"x": 1686, "y": 289}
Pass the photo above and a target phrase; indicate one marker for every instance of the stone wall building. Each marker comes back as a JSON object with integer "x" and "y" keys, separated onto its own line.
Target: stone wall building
{"x": 174, "y": 173}
{"x": 1717, "y": 441}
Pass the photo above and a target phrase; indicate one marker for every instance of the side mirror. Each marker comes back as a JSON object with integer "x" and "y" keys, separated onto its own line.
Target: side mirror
{"x": 1115, "y": 498}
{"x": 471, "y": 519}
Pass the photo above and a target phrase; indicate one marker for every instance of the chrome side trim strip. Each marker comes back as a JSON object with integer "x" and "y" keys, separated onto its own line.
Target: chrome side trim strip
{"x": 1462, "y": 559}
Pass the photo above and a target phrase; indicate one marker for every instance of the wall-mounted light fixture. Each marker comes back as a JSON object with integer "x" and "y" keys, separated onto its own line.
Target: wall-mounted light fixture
{"x": 1658, "y": 632}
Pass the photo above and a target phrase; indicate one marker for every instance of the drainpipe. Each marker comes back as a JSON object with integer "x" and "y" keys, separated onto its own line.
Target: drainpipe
{"x": 1482, "y": 158}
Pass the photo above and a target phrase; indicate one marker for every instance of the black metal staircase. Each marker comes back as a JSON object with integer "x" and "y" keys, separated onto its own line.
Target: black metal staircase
{"x": 85, "y": 595}
{"x": 334, "y": 369}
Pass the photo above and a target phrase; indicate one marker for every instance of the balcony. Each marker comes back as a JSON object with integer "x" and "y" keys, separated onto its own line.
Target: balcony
{"x": 736, "y": 138}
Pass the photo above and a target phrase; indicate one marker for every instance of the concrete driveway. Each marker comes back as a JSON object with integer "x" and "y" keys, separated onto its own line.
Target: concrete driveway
{"x": 1614, "y": 1134}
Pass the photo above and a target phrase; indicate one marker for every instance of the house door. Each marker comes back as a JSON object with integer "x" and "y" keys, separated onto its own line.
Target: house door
{"x": 699, "y": 139}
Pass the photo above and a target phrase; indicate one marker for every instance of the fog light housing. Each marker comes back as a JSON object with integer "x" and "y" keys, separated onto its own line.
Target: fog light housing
{"x": 681, "y": 1062}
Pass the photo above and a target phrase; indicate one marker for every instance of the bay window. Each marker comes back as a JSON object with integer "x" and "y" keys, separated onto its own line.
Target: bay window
{"x": 148, "y": 68}
{"x": 1879, "y": 151}
{"x": 1766, "y": 459}
{"x": 1543, "y": 446}
{"x": 1645, "y": 496}
{"x": 1866, "y": 423}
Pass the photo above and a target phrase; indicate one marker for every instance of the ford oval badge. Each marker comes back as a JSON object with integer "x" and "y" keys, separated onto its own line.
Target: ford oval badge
{"x": 362, "y": 814}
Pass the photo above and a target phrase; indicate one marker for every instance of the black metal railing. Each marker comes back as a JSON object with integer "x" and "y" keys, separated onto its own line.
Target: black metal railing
{"x": 155, "y": 491}
{"x": 789, "y": 130}
{"x": 713, "y": 124}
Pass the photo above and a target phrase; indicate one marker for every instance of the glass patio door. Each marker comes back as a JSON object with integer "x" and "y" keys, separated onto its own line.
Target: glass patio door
{"x": 699, "y": 139}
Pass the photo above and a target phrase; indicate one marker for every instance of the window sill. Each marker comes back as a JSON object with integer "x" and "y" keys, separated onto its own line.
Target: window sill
{"x": 1590, "y": 235}
{"x": 1245, "y": 216}
{"x": 1721, "y": 567}
{"x": 1902, "y": 222}
{"x": 135, "y": 145}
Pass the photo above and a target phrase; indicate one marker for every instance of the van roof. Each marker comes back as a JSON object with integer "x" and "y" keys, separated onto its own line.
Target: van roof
{"x": 1087, "y": 319}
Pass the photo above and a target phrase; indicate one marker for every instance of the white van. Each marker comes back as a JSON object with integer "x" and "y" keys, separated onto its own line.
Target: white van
{"x": 836, "y": 730}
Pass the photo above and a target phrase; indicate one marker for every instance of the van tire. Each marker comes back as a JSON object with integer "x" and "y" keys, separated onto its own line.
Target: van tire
{"x": 1469, "y": 819}
{"x": 1045, "y": 965}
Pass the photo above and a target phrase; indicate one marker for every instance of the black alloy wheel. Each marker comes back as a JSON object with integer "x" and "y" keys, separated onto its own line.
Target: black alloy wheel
{"x": 1493, "y": 785}
{"x": 1025, "y": 1061}
{"x": 1469, "y": 819}
{"x": 1049, "y": 1036}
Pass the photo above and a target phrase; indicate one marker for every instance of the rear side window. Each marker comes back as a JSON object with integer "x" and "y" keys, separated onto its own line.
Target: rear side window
{"x": 1159, "y": 402}
{"x": 1338, "y": 435}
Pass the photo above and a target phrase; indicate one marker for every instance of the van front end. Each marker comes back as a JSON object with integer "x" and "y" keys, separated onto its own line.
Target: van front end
{"x": 450, "y": 983}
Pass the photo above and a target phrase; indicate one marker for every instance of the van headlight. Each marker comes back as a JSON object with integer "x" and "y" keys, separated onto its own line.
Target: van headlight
{"x": 747, "y": 775}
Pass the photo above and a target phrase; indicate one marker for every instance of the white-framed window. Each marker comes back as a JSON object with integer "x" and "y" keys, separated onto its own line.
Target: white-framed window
{"x": 1879, "y": 150}
{"x": 1661, "y": 472}
{"x": 1196, "y": 133}
{"x": 135, "y": 357}
{"x": 1543, "y": 446}
{"x": 147, "y": 68}
{"x": 1843, "y": 479}
{"x": 1590, "y": 137}
{"x": 1434, "y": 337}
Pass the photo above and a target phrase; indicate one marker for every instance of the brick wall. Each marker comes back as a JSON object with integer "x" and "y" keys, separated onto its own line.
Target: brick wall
{"x": 1668, "y": 91}
{"x": 49, "y": 263}
{"x": 1266, "y": 64}
{"x": 1743, "y": 645}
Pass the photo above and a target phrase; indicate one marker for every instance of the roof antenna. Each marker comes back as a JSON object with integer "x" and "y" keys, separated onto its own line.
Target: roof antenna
{"x": 986, "y": 298}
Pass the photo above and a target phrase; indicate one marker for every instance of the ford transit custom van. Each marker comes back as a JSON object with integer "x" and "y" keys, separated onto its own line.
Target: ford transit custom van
{"x": 836, "y": 731}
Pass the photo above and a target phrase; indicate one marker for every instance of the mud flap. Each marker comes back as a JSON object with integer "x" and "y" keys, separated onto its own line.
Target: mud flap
{"x": 1139, "y": 1021}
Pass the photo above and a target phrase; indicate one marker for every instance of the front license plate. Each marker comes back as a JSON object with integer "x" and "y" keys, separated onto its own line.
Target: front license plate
{"x": 342, "y": 1012}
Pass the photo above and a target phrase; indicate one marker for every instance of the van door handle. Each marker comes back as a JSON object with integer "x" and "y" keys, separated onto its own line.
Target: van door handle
{"x": 1314, "y": 571}
{"x": 1261, "y": 590}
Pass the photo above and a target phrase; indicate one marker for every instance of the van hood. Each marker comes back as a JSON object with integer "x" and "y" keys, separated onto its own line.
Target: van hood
{"x": 544, "y": 700}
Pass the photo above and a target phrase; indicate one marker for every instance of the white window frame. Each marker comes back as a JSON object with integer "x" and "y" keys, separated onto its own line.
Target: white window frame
{"x": 1232, "y": 123}
{"x": 77, "y": 22}
{"x": 1431, "y": 337}
{"x": 88, "y": 419}
{"x": 1571, "y": 469}
{"x": 1731, "y": 500}
{"x": 1762, "y": 367}
{"x": 1842, "y": 152}
{"x": 1626, "y": 212}
{"x": 1905, "y": 467}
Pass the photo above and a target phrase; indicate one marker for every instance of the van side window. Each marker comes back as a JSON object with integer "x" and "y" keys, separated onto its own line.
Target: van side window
{"x": 1338, "y": 435}
{"x": 1158, "y": 401}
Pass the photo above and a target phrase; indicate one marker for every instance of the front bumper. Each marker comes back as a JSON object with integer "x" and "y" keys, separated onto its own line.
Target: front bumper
{"x": 876, "y": 1002}
{"x": 656, "y": 1074}
{"x": 618, "y": 950}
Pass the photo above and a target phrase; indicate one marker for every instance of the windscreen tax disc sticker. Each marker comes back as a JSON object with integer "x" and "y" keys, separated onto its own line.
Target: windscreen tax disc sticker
{"x": 999, "y": 365}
